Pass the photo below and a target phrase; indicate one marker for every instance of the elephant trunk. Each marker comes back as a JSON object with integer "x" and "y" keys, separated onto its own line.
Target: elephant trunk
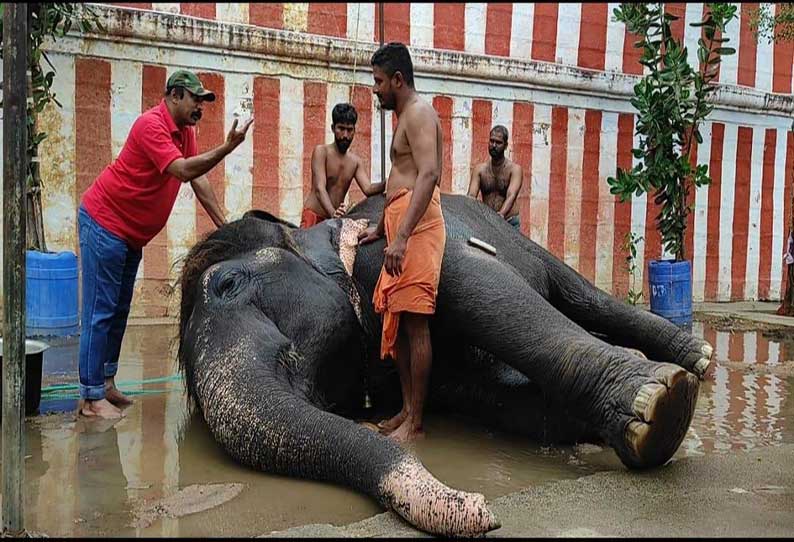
{"x": 253, "y": 392}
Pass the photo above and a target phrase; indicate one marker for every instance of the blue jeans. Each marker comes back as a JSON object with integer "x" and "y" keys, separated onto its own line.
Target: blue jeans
{"x": 109, "y": 267}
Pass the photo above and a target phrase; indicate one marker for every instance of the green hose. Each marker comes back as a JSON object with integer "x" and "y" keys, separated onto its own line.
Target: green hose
{"x": 57, "y": 391}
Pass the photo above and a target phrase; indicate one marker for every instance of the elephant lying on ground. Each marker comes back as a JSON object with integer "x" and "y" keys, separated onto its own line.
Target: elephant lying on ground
{"x": 279, "y": 344}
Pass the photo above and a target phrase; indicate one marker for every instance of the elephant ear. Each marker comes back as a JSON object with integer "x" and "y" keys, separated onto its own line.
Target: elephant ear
{"x": 264, "y": 215}
{"x": 348, "y": 241}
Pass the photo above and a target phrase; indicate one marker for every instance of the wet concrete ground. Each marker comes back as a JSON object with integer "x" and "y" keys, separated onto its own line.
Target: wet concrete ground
{"x": 158, "y": 472}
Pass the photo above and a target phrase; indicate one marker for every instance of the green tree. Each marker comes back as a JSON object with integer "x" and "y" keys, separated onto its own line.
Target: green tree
{"x": 45, "y": 21}
{"x": 672, "y": 100}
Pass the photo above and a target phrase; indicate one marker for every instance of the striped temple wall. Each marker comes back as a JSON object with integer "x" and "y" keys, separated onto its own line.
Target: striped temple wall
{"x": 559, "y": 76}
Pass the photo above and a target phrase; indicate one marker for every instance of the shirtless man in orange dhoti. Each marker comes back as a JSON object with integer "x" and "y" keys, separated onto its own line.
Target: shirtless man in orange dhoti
{"x": 415, "y": 236}
{"x": 333, "y": 169}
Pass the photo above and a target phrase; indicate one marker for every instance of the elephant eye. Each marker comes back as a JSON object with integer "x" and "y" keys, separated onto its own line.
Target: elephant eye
{"x": 230, "y": 283}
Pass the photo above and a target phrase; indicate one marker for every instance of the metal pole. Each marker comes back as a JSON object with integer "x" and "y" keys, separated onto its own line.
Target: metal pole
{"x": 382, "y": 112}
{"x": 15, "y": 167}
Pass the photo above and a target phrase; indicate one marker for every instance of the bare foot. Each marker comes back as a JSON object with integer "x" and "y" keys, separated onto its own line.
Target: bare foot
{"x": 114, "y": 395}
{"x": 99, "y": 409}
{"x": 387, "y": 426}
{"x": 406, "y": 433}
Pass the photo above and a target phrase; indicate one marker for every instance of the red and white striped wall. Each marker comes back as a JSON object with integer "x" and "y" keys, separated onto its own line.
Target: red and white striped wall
{"x": 568, "y": 140}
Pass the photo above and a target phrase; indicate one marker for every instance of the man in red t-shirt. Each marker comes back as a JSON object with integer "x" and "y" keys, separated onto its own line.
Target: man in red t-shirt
{"x": 125, "y": 207}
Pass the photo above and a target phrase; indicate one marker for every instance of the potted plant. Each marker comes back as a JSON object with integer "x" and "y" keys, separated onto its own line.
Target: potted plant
{"x": 672, "y": 101}
{"x": 51, "y": 278}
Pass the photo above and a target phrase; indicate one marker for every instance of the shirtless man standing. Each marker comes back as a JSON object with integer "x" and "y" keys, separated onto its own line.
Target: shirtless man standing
{"x": 415, "y": 236}
{"x": 498, "y": 179}
{"x": 333, "y": 168}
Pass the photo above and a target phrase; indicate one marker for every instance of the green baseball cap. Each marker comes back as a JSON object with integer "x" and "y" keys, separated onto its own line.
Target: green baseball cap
{"x": 190, "y": 81}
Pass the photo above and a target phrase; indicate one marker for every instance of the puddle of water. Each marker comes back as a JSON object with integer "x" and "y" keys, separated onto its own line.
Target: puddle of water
{"x": 90, "y": 480}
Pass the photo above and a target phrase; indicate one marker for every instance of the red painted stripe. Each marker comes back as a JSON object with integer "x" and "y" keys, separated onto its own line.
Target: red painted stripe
{"x": 767, "y": 211}
{"x": 136, "y": 5}
{"x": 397, "y": 22}
{"x": 327, "y": 19}
{"x": 622, "y": 214}
{"x": 314, "y": 100}
{"x": 480, "y": 131}
{"x": 498, "y": 21}
{"x": 747, "y": 46}
{"x": 204, "y": 10}
{"x": 677, "y": 27}
{"x": 631, "y": 54}
{"x": 762, "y": 348}
{"x": 787, "y": 212}
{"x": 590, "y": 184}
{"x": 741, "y": 211}
{"x": 270, "y": 15}
{"x": 653, "y": 238}
{"x": 713, "y": 229}
{"x": 736, "y": 347}
{"x": 265, "y": 189}
{"x": 689, "y": 233}
{"x": 593, "y": 36}
{"x": 362, "y": 143}
{"x": 92, "y": 121}
{"x": 717, "y": 35}
{"x": 443, "y": 106}
{"x": 782, "y": 58}
{"x": 155, "y": 254}
{"x": 449, "y": 20}
{"x": 523, "y": 114}
{"x": 557, "y": 181}
{"x": 544, "y": 32}
{"x": 210, "y": 132}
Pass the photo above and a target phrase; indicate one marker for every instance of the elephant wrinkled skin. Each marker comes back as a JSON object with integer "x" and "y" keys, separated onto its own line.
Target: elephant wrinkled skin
{"x": 279, "y": 344}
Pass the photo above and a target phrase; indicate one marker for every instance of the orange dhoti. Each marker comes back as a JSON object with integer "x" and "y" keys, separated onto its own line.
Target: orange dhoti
{"x": 415, "y": 289}
{"x": 309, "y": 218}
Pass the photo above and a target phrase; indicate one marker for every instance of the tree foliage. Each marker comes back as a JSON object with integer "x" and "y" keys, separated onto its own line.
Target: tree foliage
{"x": 48, "y": 21}
{"x": 773, "y": 25}
{"x": 671, "y": 100}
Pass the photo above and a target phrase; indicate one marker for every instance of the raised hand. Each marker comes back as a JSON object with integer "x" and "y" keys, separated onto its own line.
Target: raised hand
{"x": 235, "y": 136}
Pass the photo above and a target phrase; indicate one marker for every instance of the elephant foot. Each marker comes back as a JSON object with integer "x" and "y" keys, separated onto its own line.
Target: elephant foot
{"x": 698, "y": 359}
{"x": 413, "y": 493}
{"x": 665, "y": 409}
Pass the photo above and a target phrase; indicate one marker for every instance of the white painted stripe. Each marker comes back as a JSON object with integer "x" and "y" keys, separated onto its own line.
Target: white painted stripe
{"x": 722, "y": 349}
{"x": 461, "y": 144}
{"x": 58, "y": 159}
{"x": 375, "y": 174}
{"x": 502, "y": 113}
{"x": 422, "y": 24}
{"x": 773, "y": 403}
{"x": 764, "y": 58}
{"x": 701, "y": 221}
{"x": 698, "y": 328}
{"x": 232, "y": 12}
{"x": 239, "y": 104}
{"x": 722, "y": 404}
{"x": 774, "y": 353}
{"x": 296, "y": 16}
{"x": 126, "y": 81}
{"x": 521, "y": 27}
{"x": 181, "y": 225}
{"x": 638, "y": 209}
{"x": 336, "y": 94}
{"x": 568, "y": 21}
{"x": 726, "y": 212}
{"x": 605, "y": 233}
{"x": 751, "y": 273}
{"x": 778, "y": 241}
{"x": 166, "y": 7}
{"x": 751, "y": 347}
{"x": 573, "y": 188}
{"x": 361, "y": 16}
{"x": 616, "y": 33}
{"x": 729, "y": 67}
{"x": 693, "y": 14}
{"x": 541, "y": 171}
{"x": 748, "y": 419}
{"x": 291, "y": 149}
{"x": 474, "y": 36}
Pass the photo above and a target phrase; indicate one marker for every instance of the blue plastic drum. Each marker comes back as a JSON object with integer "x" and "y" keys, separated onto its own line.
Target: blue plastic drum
{"x": 670, "y": 285}
{"x": 51, "y": 297}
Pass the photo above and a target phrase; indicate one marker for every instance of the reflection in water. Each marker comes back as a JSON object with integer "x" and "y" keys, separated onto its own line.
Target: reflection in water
{"x": 86, "y": 481}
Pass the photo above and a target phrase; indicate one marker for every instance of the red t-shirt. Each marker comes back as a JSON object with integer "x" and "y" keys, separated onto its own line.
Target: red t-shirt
{"x": 134, "y": 195}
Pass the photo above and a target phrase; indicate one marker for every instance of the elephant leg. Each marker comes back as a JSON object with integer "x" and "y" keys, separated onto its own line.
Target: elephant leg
{"x": 642, "y": 409}
{"x": 626, "y": 325}
{"x": 474, "y": 384}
